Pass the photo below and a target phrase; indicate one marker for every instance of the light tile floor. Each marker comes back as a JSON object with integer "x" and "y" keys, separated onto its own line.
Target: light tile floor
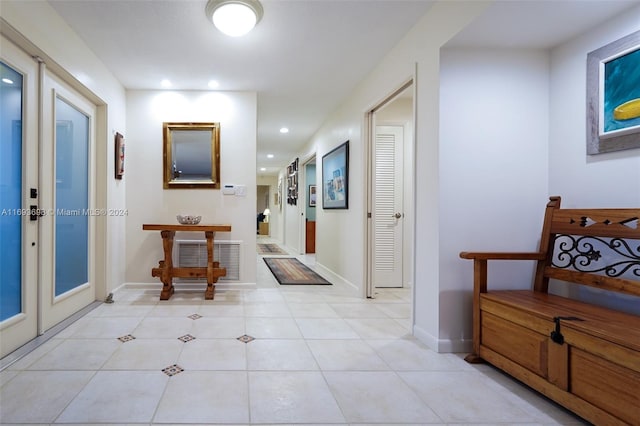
{"x": 320, "y": 356}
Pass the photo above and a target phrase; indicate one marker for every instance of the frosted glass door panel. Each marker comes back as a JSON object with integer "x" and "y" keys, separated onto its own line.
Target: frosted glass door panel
{"x": 10, "y": 192}
{"x": 72, "y": 198}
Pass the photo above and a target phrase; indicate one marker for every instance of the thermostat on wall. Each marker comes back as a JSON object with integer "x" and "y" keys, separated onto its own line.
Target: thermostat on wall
{"x": 228, "y": 190}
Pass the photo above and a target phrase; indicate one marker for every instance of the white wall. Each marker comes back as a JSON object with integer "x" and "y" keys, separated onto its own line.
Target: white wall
{"x": 493, "y": 172}
{"x": 148, "y": 202}
{"x": 603, "y": 180}
{"x": 51, "y": 38}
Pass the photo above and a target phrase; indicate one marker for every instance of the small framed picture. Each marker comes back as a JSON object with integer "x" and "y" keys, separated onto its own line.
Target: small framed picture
{"x": 312, "y": 196}
{"x": 119, "y": 159}
{"x": 335, "y": 178}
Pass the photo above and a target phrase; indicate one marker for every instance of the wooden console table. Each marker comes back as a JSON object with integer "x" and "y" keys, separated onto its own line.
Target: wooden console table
{"x": 165, "y": 270}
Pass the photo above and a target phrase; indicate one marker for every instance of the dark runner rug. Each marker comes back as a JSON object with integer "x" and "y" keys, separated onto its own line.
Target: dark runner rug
{"x": 289, "y": 270}
{"x": 268, "y": 248}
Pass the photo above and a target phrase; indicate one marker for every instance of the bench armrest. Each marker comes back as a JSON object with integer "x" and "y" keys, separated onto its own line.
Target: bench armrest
{"x": 480, "y": 261}
{"x": 481, "y": 258}
{"x": 480, "y": 255}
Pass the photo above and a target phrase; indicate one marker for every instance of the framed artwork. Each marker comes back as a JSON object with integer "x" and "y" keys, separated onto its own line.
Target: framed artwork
{"x": 312, "y": 196}
{"x": 613, "y": 96}
{"x": 292, "y": 183}
{"x": 119, "y": 152}
{"x": 335, "y": 178}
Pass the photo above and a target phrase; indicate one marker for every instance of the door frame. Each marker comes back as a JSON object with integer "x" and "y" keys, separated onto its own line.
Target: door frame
{"x": 268, "y": 205}
{"x": 369, "y": 138}
{"x": 305, "y": 200}
{"x": 302, "y": 200}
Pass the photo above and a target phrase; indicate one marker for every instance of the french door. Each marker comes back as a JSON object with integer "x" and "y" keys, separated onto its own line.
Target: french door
{"x": 67, "y": 228}
{"x": 47, "y": 200}
{"x": 18, "y": 174}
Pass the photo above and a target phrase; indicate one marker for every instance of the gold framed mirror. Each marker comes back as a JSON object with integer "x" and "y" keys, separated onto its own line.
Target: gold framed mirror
{"x": 191, "y": 156}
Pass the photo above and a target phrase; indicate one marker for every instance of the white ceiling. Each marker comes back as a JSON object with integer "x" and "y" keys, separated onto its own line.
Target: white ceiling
{"x": 538, "y": 24}
{"x": 304, "y": 56}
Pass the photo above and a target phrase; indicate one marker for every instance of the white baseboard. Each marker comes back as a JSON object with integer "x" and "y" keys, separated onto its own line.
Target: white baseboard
{"x": 336, "y": 279}
{"x": 442, "y": 345}
{"x": 185, "y": 286}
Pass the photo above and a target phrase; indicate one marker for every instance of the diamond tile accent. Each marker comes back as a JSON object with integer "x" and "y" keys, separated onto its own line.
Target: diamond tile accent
{"x": 195, "y": 316}
{"x": 186, "y": 338}
{"x": 245, "y": 338}
{"x": 172, "y": 370}
{"x": 126, "y": 338}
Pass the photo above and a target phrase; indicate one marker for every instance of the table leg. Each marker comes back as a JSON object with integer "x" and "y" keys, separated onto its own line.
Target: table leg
{"x": 167, "y": 270}
{"x": 211, "y": 278}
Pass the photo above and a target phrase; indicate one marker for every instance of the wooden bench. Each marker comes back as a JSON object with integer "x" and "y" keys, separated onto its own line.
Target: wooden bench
{"x": 584, "y": 357}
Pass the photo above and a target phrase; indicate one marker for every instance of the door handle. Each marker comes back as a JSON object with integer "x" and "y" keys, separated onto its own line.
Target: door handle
{"x": 35, "y": 213}
{"x": 397, "y": 215}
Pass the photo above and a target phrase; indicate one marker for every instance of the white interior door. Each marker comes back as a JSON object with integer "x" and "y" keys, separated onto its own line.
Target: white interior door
{"x": 18, "y": 174}
{"x": 388, "y": 213}
{"x": 67, "y": 181}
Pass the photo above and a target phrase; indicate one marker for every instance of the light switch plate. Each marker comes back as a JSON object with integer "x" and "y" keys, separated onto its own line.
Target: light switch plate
{"x": 241, "y": 190}
{"x": 228, "y": 189}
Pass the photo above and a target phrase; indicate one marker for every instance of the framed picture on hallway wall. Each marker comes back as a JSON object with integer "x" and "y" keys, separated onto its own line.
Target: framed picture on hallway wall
{"x": 119, "y": 156}
{"x": 335, "y": 178}
{"x": 613, "y": 96}
{"x": 312, "y": 196}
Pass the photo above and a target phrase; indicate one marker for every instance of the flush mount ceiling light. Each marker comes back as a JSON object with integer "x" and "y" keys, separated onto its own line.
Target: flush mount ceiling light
{"x": 234, "y": 17}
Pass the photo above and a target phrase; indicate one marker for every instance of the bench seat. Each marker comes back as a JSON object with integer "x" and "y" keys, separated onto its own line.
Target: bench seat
{"x": 583, "y": 356}
{"x": 607, "y": 324}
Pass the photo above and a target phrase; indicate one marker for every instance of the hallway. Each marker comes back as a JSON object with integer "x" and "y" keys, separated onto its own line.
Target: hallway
{"x": 317, "y": 356}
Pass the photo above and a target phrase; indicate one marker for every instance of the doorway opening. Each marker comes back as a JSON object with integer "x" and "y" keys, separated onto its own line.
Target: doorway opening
{"x": 310, "y": 199}
{"x": 390, "y": 192}
{"x": 263, "y": 212}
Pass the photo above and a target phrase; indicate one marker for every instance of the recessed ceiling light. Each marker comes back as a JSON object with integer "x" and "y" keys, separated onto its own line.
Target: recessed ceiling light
{"x": 213, "y": 84}
{"x": 165, "y": 83}
{"x": 263, "y": 169}
{"x": 284, "y": 130}
{"x": 8, "y": 81}
{"x": 234, "y": 17}
{"x": 269, "y": 155}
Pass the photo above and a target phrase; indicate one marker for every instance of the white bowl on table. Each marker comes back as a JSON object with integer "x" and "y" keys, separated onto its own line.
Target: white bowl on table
{"x": 188, "y": 219}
